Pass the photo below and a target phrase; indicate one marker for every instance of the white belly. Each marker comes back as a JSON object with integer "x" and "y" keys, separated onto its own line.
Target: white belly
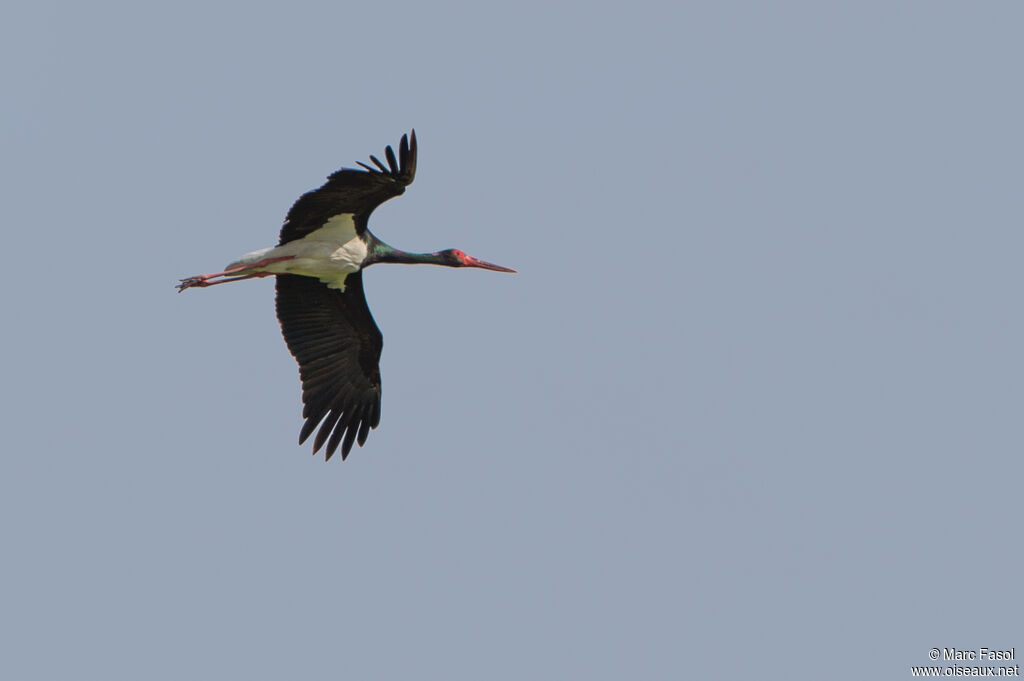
{"x": 330, "y": 254}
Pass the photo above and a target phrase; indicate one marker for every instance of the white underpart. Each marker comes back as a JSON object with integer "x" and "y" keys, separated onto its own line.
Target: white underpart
{"x": 330, "y": 253}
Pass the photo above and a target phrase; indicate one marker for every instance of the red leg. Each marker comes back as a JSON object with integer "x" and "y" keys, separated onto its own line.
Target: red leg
{"x": 203, "y": 280}
{"x": 201, "y": 283}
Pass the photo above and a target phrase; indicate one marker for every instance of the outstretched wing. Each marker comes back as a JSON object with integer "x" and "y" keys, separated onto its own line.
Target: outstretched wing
{"x": 352, "y": 191}
{"x": 337, "y": 345}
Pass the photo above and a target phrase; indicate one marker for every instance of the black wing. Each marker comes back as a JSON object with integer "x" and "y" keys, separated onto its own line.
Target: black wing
{"x": 353, "y": 191}
{"x": 337, "y": 345}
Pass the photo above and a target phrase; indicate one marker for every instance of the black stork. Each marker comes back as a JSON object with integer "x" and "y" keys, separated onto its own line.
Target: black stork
{"x": 319, "y": 260}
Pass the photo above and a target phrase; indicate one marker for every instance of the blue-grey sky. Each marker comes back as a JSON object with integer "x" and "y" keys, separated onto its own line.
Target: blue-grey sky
{"x": 750, "y": 409}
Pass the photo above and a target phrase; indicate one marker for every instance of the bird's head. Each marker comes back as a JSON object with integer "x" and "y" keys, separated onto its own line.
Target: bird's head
{"x": 453, "y": 257}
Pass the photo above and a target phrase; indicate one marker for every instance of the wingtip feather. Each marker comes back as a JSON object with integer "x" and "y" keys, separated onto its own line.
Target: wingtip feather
{"x": 376, "y": 162}
{"x": 411, "y": 165}
{"x": 392, "y": 161}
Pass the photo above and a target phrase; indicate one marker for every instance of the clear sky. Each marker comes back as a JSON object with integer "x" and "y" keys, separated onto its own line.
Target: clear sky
{"x": 750, "y": 409}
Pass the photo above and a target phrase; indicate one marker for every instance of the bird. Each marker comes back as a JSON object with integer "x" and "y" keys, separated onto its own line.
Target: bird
{"x": 323, "y": 248}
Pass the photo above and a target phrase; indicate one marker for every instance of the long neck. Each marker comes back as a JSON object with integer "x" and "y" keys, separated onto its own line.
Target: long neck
{"x": 382, "y": 252}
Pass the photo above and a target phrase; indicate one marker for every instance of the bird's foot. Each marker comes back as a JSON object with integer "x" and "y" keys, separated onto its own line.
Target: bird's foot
{"x": 201, "y": 280}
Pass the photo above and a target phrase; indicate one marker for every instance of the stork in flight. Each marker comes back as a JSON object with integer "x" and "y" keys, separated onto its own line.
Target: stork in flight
{"x": 319, "y": 260}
